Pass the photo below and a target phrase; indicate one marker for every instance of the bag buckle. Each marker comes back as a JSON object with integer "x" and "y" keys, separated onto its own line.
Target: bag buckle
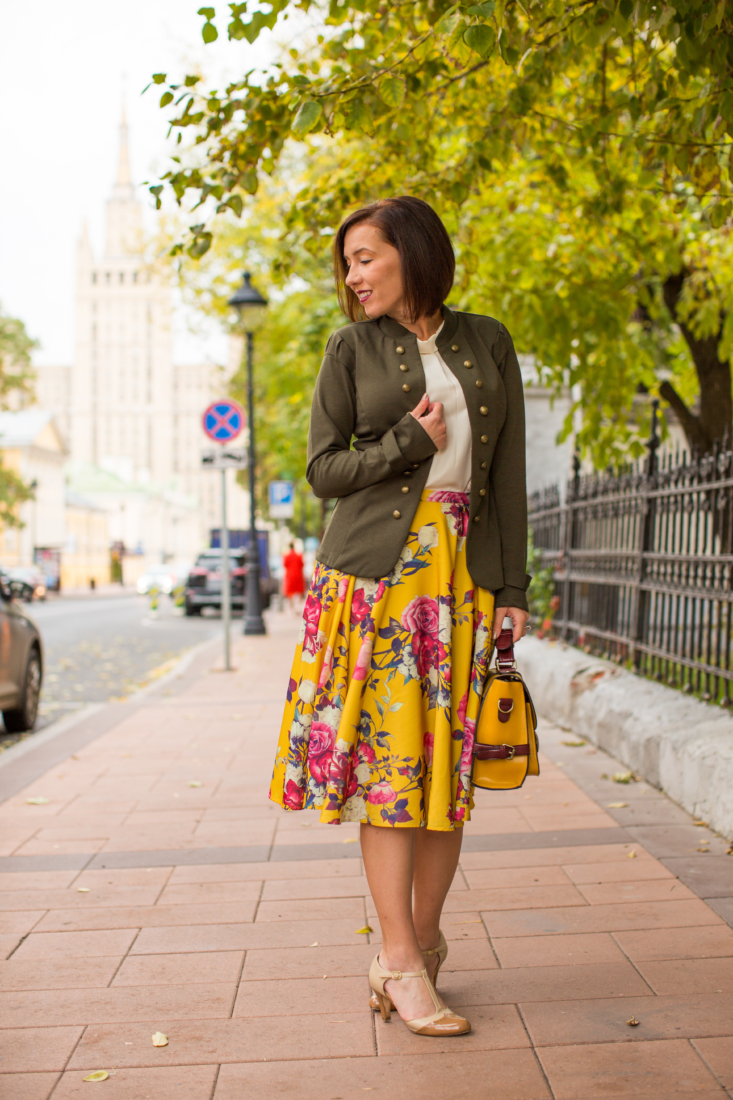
{"x": 510, "y": 751}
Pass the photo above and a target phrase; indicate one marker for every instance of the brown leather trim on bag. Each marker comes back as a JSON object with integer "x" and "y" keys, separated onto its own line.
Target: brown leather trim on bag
{"x": 505, "y": 650}
{"x": 506, "y": 706}
{"x": 499, "y": 752}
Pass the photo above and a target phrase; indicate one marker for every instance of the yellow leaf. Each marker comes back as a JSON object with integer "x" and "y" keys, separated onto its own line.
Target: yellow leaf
{"x": 315, "y": 943}
{"x": 160, "y": 1040}
{"x": 617, "y": 805}
{"x": 623, "y": 777}
{"x": 350, "y": 840}
{"x": 40, "y": 801}
{"x": 195, "y": 783}
{"x": 573, "y": 744}
{"x": 701, "y": 824}
{"x": 98, "y": 1075}
{"x": 705, "y": 850}
{"x": 82, "y": 889}
{"x": 633, "y": 1022}
{"x": 470, "y": 922}
{"x": 631, "y": 855}
{"x": 364, "y": 931}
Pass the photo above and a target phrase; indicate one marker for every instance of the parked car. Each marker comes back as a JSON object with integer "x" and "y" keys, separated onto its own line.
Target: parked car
{"x": 161, "y": 577}
{"x": 203, "y": 586}
{"x": 21, "y": 659}
{"x": 32, "y": 578}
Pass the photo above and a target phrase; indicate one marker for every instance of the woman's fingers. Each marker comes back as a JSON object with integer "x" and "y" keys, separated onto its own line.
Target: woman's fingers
{"x": 519, "y": 619}
{"x": 422, "y": 406}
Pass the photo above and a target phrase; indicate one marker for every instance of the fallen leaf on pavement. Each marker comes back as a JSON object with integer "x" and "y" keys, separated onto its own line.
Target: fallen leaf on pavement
{"x": 470, "y": 922}
{"x": 82, "y": 889}
{"x": 701, "y": 824}
{"x": 364, "y": 931}
{"x": 631, "y": 855}
{"x": 98, "y": 1075}
{"x": 315, "y": 944}
{"x": 40, "y": 801}
{"x": 195, "y": 783}
{"x": 160, "y": 1040}
{"x": 573, "y": 744}
{"x": 623, "y": 777}
{"x": 350, "y": 840}
{"x": 705, "y": 850}
{"x": 617, "y": 805}
{"x": 633, "y": 1022}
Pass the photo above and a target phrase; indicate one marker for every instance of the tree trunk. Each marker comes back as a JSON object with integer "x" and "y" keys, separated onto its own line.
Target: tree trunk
{"x": 716, "y": 406}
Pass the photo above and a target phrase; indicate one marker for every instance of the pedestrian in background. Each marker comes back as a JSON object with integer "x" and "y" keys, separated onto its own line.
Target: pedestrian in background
{"x": 424, "y": 556}
{"x": 293, "y": 583}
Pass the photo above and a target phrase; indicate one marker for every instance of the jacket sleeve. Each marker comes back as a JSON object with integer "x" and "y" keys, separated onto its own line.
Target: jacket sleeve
{"x": 334, "y": 469}
{"x": 509, "y": 480}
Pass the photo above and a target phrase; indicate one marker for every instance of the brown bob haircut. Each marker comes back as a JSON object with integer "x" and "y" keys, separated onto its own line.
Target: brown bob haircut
{"x": 426, "y": 253}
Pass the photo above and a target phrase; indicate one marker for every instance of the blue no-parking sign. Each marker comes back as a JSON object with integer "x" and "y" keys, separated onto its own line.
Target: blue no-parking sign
{"x": 223, "y": 420}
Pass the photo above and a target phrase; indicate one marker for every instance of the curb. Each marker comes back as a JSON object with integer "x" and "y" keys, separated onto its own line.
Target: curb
{"x": 678, "y": 744}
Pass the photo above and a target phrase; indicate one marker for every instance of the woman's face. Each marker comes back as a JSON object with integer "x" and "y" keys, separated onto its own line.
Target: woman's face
{"x": 374, "y": 271}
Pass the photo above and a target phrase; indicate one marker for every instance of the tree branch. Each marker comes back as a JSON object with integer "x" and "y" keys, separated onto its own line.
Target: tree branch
{"x": 690, "y": 424}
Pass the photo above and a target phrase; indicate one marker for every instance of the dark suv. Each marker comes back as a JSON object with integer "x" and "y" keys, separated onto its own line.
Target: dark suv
{"x": 203, "y": 587}
{"x": 21, "y": 659}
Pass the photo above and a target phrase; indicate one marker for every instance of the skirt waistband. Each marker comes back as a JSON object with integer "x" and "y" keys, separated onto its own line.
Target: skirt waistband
{"x": 445, "y": 496}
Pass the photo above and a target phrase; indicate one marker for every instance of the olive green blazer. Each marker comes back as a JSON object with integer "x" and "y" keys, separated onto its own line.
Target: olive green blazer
{"x": 365, "y": 448}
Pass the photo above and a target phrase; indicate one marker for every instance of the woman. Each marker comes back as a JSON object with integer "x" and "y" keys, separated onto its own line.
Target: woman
{"x": 293, "y": 586}
{"x": 423, "y": 558}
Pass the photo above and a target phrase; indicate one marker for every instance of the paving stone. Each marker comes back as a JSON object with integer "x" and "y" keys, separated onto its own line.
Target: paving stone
{"x": 35, "y": 1008}
{"x": 62, "y": 973}
{"x": 37, "y": 1049}
{"x": 59, "y": 945}
{"x": 604, "y": 1020}
{"x": 207, "y": 1042}
{"x": 8, "y": 944}
{"x": 71, "y": 898}
{"x": 27, "y": 1086}
{"x": 591, "y": 947}
{"x": 680, "y": 976}
{"x": 163, "y": 1083}
{"x": 552, "y": 856}
{"x": 588, "y": 981}
{"x": 155, "y": 970}
{"x": 315, "y": 962}
{"x": 708, "y": 876}
{"x": 493, "y": 1027}
{"x": 303, "y": 995}
{"x": 718, "y": 1055}
{"x": 707, "y": 942}
{"x": 507, "y": 877}
{"x": 210, "y": 893}
{"x": 723, "y": 907}
{"x": 609, "y": 893}
{"x": 601, "y": 918}
{"x": 626, "y": 870}
{"x": 460, "y": 1076}
{"x": 669, "y": 1069}
{"x": 147, "y": 916}
{"x": 31, "y": 880}
{"x": 313, "y": 909}
{"x": 351, "y": 886}
{"x": 281, "y": 871}
{"x": 280, "y": 935}
{"x": 666, "y": 841}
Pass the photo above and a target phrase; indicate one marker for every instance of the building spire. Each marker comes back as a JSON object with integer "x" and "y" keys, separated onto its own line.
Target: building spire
{"x": 124, "y": 179}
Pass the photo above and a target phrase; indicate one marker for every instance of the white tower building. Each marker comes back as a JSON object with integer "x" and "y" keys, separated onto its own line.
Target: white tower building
{"x": 122, "y": 378}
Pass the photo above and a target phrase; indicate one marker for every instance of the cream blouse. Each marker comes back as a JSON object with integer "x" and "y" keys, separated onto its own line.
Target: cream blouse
{"x": 451, "y": 468}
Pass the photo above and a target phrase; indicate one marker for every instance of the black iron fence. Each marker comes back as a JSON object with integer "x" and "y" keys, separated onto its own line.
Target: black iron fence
{"x": 643, "y": 566}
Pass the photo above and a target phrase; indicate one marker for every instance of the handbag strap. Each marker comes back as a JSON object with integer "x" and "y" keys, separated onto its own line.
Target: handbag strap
{"x": 499, "y": 752}
{"x": 505, "y": 650}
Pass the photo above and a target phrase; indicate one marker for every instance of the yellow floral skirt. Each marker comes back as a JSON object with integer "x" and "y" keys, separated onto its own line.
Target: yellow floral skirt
{"x": 384, "y": 692}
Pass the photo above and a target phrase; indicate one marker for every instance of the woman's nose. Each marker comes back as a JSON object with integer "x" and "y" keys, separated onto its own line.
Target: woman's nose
{"x": 352, "y": 277}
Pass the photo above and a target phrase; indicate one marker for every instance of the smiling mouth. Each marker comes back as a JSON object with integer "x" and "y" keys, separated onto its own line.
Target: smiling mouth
{"x": 363, "y": 295}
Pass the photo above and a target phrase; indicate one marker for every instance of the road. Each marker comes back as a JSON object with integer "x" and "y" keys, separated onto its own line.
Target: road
{"x": 101, "y": 648}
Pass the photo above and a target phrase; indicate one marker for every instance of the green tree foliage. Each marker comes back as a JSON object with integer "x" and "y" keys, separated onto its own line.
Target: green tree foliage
{"x": 16, "y": 387}
{"x": 580, "y": 153}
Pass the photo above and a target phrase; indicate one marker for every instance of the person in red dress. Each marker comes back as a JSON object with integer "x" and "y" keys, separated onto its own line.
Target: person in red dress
{"x": 293, "y": 585}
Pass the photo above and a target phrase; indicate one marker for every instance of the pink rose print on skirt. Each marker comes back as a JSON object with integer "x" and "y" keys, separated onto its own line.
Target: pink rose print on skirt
{"x": 320, "y": 749}
{"x": 420, "y": 617}
{"x": 462, "y": 707}
{"x": 455, "y": 506}
{"x": 469, "y": 736}
{"x": 365, "y": 753}
{"x": 360, "y": 609}
{"x": 428, "y": 741}
{"x": 311, "y": 619}
{"x": 326, "y": 667}
{"x": 292, "y": 796}
{"x": 364, "y": 660}
{"x": 381, "y": 793}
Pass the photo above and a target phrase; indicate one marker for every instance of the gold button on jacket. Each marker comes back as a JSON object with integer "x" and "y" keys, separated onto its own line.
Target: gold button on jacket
{"x": 363, "y": 436}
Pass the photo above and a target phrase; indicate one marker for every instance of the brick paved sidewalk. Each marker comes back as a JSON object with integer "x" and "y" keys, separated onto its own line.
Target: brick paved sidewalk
{"x": 157, "y": 890}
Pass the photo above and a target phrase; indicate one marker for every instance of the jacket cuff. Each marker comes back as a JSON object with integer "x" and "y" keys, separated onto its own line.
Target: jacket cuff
{"x": 517, "y": 580}
{"x": 407, "y": 442}
{"x": 511, "y": 597}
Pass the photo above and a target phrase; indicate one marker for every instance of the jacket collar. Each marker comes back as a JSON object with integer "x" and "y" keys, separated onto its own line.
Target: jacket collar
{"x": 393, "y": 328}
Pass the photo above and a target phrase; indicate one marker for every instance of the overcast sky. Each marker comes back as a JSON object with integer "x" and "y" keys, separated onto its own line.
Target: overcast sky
{"x": 63, "y": 68}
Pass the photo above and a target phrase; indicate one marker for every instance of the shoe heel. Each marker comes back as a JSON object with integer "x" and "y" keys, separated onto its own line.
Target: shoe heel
{"x": 385, "y": 1006}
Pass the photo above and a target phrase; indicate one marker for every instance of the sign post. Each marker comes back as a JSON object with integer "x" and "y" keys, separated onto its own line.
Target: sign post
{"x": 223, "y": 421}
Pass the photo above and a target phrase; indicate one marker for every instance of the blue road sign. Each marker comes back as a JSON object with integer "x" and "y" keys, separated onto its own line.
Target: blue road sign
{"x": 282, "y": 499}
{"x": 223, "y": 420}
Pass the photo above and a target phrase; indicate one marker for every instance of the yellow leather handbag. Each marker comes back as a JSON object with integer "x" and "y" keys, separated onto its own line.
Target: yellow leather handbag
{"x": 505, "y": 749}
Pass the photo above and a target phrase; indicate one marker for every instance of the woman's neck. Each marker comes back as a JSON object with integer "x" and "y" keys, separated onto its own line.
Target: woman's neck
{"x": 424, "y": 327}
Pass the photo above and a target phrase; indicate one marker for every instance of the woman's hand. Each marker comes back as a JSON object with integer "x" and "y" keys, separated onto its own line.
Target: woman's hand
{"x": 519, "y": 619}
{"x": 430, "y": 416}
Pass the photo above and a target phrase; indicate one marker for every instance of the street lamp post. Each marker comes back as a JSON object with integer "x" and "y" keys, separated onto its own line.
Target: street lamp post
{"x": 251, "y": 306}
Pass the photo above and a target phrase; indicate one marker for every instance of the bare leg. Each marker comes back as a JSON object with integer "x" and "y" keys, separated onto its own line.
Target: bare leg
{"x": 389, "y": 860}
{"x": 436, "y": 859}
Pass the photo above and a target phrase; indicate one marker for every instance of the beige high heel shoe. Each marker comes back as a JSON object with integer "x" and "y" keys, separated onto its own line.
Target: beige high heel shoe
{"x": 441, "y": 951}
{"x": 441, "y": 1022}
